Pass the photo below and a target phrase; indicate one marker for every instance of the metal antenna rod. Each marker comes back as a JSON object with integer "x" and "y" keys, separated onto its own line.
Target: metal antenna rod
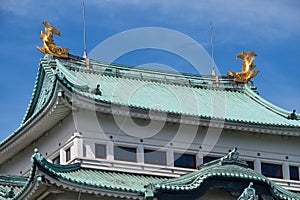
{"x": 213, "y": 72}
{"x": 84, "y": 31}
{"x": 87, "y": 60}
{"x": 212, "y": 50}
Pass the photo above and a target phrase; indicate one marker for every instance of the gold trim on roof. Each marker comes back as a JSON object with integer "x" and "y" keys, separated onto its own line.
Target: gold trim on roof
{"x": 48, "y": 42}
{"x": 247, "y": 68}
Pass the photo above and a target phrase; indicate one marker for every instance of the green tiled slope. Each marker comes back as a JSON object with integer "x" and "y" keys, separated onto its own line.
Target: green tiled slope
{"x": 109, "y": 180}
{"x": 163, "y": 91}
{"x": 10, "y": 185}
{"x": 179, "y": 96}
{"x": 97, "y": 179}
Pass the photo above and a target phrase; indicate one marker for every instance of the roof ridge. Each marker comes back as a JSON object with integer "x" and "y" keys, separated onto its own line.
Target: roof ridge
{"x": 165, "y": 76}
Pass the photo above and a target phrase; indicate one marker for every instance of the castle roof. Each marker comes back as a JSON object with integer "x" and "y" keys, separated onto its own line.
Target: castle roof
{"x": 160, "y": 91}
{"x": 73, "y": 177}
{"x": 64, "y": 84}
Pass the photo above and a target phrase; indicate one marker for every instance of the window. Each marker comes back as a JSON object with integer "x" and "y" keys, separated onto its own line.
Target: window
{"x": 207, "y": 159}
{"x": 250, "y": 164}
{"x": 185, "y": 160}
{"x": 125, "y": 153}
{"x": 68, "y": 154}
{"x": 271, "y": 170}
{"x": 155, "y": 157}
{"x": 84, "y": 150}
{"x": 294, "y": 173}
{"x": 56, "y": 160}
{"x": 100, "y": 151}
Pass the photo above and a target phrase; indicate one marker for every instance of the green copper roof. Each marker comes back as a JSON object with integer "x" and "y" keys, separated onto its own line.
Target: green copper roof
{"x": 230, "y": 166}
{"x": 162, "y": 91}
{"x": 169, "y": 92}
{"x": 11, "y": 185}
{"x": 109, "y": 180}
{"x": 97, "y": 179}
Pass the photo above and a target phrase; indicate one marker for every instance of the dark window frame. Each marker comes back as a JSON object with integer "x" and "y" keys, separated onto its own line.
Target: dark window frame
{"x": 207, "y": 159}
{"x": 68, "y": 154}
{"x": 56, "y": 160}
{"x": 293, "y": 176}
{"x": 152, "y": 156}
{"x": 100, "y": 151}
{"x": 182, "y": 160}
{"x": 125, "y": 153}
{"x": 272, "y": 170}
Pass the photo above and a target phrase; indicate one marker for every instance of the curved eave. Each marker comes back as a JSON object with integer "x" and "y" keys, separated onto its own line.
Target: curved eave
{"x": 44, "y": 69}
{"x": 44, "y": 180}
{"x": 280, "y": 111}
{"x": 53, "y": 111}
{"x": 196, "y": 180}
{"x": 44, "y": 173}
{"x": 35, "y": 94}
{"x": 30, "y": 115}
{"x": 92, "y": 189}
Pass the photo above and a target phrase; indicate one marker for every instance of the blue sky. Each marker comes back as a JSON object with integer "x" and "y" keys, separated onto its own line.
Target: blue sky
{"x": 271, "y": 28}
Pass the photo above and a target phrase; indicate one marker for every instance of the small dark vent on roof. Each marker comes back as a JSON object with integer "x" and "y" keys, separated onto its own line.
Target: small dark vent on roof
{"x": 293, "y": 115}
{"x": 97, "y": 90}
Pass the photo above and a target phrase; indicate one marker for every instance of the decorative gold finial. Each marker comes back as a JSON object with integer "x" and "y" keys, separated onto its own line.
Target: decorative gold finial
{"x": 247, "y": 69}
{"x": 48, "y": 42}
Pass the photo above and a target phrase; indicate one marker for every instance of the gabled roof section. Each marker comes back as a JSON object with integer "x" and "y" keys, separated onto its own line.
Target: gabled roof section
{"x": 229, "y": 167}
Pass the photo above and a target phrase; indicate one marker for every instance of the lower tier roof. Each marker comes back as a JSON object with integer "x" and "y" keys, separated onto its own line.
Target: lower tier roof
{"x": 230, "y": 168}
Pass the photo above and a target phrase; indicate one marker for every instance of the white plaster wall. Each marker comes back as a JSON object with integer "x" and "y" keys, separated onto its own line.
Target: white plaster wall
{"x": 270, "y": 147}
{"x": 101, "y": 128}
{"x": 48, "y": 145}
{"x": 170, "y": 137}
